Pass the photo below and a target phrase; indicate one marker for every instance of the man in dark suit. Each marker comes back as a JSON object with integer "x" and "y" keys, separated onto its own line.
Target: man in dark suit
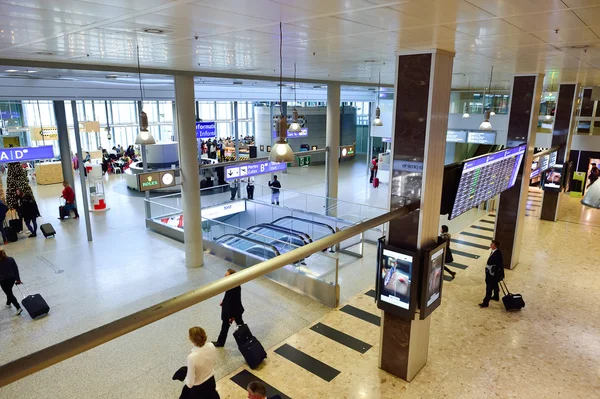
{"x": 494, "y": 273}
{"x": 231, "y": 309}
{"x": 257, "y": 390}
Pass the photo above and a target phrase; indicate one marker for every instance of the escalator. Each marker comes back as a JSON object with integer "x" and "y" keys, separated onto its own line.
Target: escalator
{"x": 249, "y": 245}
{"x": 318, "y": 229}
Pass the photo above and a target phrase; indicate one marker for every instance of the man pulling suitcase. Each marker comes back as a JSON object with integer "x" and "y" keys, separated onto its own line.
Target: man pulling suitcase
{"x": 231, "y": 310}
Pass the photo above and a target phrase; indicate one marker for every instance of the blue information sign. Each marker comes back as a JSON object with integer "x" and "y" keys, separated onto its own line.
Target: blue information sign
{"x": 253, "y": 169}
{"x": 294, "y": 135}
{"x": 26, "y": 154}
{"x": 206, "y": 130}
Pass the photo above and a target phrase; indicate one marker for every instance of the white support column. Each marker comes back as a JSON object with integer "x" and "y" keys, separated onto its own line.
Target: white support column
{"x": 332, "y": 141}
{"x": 188, "y": 163}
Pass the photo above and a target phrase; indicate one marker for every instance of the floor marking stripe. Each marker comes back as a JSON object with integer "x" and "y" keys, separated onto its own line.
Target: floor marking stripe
{"x": 307, "y": 362}
{"x": 341, "y": 337}
{"x": 244, "y": 377}
{"x": 361, "y": 314}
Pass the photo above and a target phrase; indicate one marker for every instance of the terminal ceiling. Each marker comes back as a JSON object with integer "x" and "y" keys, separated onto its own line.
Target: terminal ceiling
{"x": 340, "y": 40}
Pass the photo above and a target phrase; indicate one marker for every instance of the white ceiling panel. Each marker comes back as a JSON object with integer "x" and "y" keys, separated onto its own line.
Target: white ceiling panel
{"x": 443, "y": 11}
{"x": 492, "y": 27}
{"x": 547, "y": 21}
{"x": 337, "y": 26}
{"x": 384, "y": 18}
{"x": 504, "y": 8}
{"x": 333, "y": 6}
{"x": 263, "y": 9}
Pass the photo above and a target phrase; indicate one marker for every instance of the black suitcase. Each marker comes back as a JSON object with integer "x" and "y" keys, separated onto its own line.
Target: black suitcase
{"x": 47, "y": 230}
{"x": 253, "y": 352}
{"x": 511, "y": 302}
{"x": 11, "y": 234}
{"x": 16, "y": 225}
{"x": 242, "y": 334}
{"x": 34, "y": 304}
{"x": 62, "y": 213}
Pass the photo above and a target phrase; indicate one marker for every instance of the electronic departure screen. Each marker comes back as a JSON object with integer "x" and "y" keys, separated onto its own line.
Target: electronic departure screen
{"x": 485, "y": 177}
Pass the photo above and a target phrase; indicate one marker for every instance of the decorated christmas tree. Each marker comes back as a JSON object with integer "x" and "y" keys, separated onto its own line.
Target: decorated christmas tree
{"x": 16, "y": 178}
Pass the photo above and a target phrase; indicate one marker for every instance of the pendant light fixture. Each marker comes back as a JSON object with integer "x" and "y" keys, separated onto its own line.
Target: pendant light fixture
{"x": 492, "y": 113}
{"x": 377, "y": 121}
{"x": 281, "y": 151}
{"x": 295, "y": 126}
{"x": 486, "y": 125}
{"x": 144, "y": 137}
{"x": 466, "y": 114}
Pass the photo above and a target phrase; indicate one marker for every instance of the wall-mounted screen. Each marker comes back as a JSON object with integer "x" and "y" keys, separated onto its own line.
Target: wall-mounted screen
{"x": 397, "y": 281}
{"x": 431, "y": 288}
{"x": 481, "y": 138}
{"x": 552, "y": 179}
{"x": 456, "y": 136}
{"x": 485, "y": 177}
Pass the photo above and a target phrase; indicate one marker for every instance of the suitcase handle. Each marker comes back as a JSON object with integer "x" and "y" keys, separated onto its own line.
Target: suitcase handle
{"x": 20, "y": 291}
{"x": 504, "y": 287}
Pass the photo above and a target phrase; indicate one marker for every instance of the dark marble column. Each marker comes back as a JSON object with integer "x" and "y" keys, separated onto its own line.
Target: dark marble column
{"x": 422, "y": 100}
{"x": 562, "y": 132}
{"x": 522, "y": 127}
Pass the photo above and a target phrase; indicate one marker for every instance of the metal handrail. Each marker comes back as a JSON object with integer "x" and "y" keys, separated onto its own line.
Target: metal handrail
{"x": 252, "y": 240}
{"x": 305, "y": 221}
{"x": 66, "y": 349}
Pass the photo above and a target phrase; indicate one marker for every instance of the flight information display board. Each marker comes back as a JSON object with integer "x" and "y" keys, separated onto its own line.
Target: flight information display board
{"x": 485, "y": 177}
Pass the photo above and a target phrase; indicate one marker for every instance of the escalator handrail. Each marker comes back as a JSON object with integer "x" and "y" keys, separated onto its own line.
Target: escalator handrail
{"x": 305, "y": 237}
{"x": 241, "y": 237}
{"x": 305, "y": 221}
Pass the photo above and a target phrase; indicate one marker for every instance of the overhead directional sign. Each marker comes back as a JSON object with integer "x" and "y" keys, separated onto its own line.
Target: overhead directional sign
{"x": 292, "y": 135}
{"x": 26, "y": 154}
{"x": 253, "y": 169}
{"x": 206, "y": 130}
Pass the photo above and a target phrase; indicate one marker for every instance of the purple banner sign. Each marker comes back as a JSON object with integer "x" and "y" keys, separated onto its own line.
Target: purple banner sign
{"x": 253, "y": 169}
{"x": 26, "y": 154}
{"x": 294, "y": 135}
{"x": 206, "y": 130}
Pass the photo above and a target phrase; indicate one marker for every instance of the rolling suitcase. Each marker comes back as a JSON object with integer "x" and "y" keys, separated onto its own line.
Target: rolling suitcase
{"x": 253, "y": 352}
{"x": 47, "y": 230}
{"x": 376, "y": 182}
{"x": 242, "y": 334}
{"x": 62, "y": 212}
{"x": 511, "y": 302}
{"x": 34, "y": 304}
{"x": 11, "y": 234}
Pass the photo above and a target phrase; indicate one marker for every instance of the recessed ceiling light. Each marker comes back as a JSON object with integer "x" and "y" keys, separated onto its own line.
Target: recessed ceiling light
{"x": 12, "y": 70}
{"x": 44, "y": 52}
{"x": 111, "y": 76}
{"x": 154, "y": 31}
{"x": 31, "y": 71}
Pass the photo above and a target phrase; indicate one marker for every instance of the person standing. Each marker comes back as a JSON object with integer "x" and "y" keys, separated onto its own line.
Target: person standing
{"x": 200, "y": 377}
{"x": 30, "y": 212}
{"x": 250, "y": 187}
{"x": 233, "y": 187}
{"x": 9, "y": 276}
{"x": 69, "y": 195}
{"x": 275, "y": 187}
{"x": 445, "y": 237}
{"x": 3, "y": 212}
{"x": 257, "y": 390}
{"x": 494, "y": 273}
{"x": 594, "y": 174}
{"x": 373, "y": 168}
{"x": 231, "y": 309}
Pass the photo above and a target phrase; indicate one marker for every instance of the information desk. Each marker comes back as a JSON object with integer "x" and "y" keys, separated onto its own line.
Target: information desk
{"x": 48, "y": 173}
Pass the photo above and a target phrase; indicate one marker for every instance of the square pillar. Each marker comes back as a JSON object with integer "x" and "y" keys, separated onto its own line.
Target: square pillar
{"x": 420, "y": 122}
{"x": 522, "y": 127}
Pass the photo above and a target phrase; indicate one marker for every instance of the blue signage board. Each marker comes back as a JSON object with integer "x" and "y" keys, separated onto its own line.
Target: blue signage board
{"x": 206, "y": 130}
{"x": 294, "y": 135}
{"x": 10, "y": 114}
{"x": 253, "y": 169}
{"x": 26, "y": 154}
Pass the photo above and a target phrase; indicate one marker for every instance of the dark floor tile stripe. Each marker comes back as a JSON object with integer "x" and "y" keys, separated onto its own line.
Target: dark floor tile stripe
{"x": 481, "y": 228}
{"x": 466, "y": 233}
{"x": 469, "y": 244}
{"x": 307, "y": 362}
{"x": 341, "y": 338}
{"x": 465, "y": 254}
{"x": 488, "y": 221}
{"x": 492, "y": 215}
{"x": 371, "y": 293}
{"x": 361, "y": 314}
{"x": 244, "y": 377}
{"x": 447, "y": 278}
{"x": 457, "y": 265}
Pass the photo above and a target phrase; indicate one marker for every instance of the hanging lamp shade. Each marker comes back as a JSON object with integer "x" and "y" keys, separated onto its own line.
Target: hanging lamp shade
{"x": 294, "y": 126}
{"x": 466, "y": 114}
{"x": 281, "y": 151}
{"x": 492, "y": 113}
{"x": 592, "y": 196}
{"x": 486, "y": 125}
{"x": 377, "y": 121}
{"x": 144, "y": 137}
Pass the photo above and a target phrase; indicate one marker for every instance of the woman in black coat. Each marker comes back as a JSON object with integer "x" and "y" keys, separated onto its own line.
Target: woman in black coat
{"x": 30, "y": 212}
{"x": 9, "y": 276}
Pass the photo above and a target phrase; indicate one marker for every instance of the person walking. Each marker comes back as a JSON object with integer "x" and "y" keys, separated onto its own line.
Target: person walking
{"x": 231, "y": 309}
{"x": 3, "y": 212}
{"x": 494, "y": 273}
{"x": 445, "y": 237}
{"x": 373, "y": 168}
{"x": 69, "y": 195}
{"x": 250, "y": 187}
{"x": 200, "y": 377}
{"x": 233, "y": 187}
{"x": 30, "y": 212}
{"x": 257, "y": 390}
{"x": 275, "y": 187}
{"x": 594, "y": 174}
{"x": 9, "y": 276}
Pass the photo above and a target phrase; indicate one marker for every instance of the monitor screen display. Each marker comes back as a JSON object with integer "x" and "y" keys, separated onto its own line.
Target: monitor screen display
{"x": 485, "y": 177}
{"x": 396, "y": 278}
{"x": 552, "y": 180}
{"x": 434, "y": 278}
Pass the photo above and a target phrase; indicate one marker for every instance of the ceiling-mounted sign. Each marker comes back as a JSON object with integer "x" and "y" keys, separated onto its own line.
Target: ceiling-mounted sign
{"x": 456, "y": 136}
{"x": 346, "y": 151}
{"x": 206, "y": 130}
{"x": 155, "y": 180}
{"x": 26, "y": 154}
{"x": 481, "y": 137}
{"x": 43, "y": 133}
{"x": 293, "y": 135}
{"x": 253, "y": 169}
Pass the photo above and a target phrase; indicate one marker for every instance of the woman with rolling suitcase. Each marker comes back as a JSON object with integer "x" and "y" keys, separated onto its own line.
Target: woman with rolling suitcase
{"x": 9, "y": 276}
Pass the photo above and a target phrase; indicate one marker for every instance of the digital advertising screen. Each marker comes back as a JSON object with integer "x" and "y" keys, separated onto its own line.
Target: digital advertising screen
{"x": 431, "y": 289}
{"x": 485, "y": 177}
{"x": 397, "y": 283}
{"x": 552, "y": 180}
